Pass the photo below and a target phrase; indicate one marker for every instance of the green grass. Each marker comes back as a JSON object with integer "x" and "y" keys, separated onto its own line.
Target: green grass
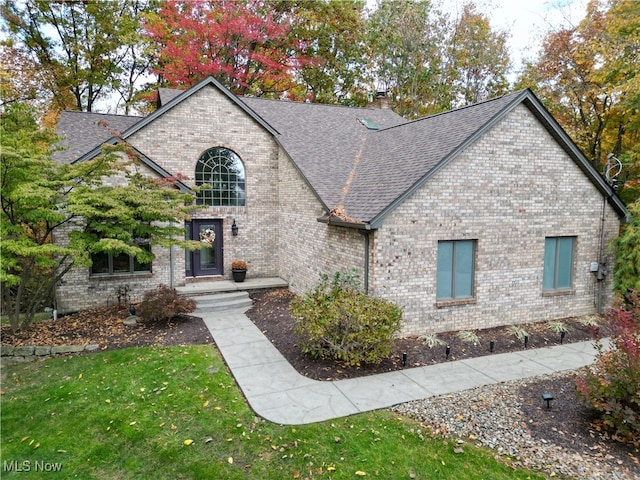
{"x": 126, "y": 414}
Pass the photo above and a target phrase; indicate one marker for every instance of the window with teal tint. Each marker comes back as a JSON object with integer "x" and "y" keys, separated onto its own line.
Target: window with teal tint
{"x": 456, "y": 267}
{"x": 558, "y": 263}
{"x": 220, "y": 172}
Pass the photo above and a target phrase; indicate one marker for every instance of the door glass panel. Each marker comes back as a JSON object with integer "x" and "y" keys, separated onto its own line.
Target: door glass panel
{"x": 208, "y": 254}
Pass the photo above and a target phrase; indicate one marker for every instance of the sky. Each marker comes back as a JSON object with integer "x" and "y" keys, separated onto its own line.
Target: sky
{"x": 525, "y": 20}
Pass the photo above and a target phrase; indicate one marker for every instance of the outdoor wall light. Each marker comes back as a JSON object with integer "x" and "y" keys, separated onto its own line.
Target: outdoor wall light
{"x": 547, "y": 397}
{"x": 234, "y": 228}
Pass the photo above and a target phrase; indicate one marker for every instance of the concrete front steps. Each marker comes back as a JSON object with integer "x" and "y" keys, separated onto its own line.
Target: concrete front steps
{"x": 209, "y": 287}
{"x": 219, "y": 302}
{"x": 221, "y": 295}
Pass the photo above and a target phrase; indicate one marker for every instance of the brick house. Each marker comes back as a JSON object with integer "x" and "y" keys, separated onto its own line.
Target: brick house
{"x": 483, "y": 216}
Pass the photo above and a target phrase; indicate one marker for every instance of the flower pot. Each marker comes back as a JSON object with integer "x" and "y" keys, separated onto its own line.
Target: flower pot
{"x": 238, "y": 275}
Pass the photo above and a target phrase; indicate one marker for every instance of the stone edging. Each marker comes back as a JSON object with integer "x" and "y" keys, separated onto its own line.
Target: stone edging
{"x": 11, "y": 355}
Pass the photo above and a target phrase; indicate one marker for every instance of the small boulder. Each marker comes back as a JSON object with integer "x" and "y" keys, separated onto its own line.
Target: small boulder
{"x": 131, "y": 320}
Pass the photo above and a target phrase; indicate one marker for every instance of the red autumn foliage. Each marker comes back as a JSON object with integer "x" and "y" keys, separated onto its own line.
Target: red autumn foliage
{"x": 241, "y": 43}
{"x": 611, "y": 386}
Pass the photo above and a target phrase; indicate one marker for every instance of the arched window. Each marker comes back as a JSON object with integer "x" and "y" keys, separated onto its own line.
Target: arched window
{"x": 222, "y": 173}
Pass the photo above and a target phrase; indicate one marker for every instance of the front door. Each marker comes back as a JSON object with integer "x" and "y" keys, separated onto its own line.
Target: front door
{"x": 207, "y": 260}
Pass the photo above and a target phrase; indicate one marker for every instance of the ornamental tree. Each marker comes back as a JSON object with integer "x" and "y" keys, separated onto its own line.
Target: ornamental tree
{"x": 241, "y": 43}
{"x": 43, "y": 200}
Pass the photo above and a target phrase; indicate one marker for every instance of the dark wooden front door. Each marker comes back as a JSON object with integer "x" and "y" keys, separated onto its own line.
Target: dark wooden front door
{"x": 208, "y": 260}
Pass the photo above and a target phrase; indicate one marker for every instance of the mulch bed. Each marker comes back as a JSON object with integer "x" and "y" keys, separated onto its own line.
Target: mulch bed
{"x": 271, "y": 314}
{"x": 105, "y": 327}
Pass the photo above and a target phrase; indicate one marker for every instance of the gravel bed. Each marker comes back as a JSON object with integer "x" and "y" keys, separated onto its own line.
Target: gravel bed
{"x": 499, "y": 417}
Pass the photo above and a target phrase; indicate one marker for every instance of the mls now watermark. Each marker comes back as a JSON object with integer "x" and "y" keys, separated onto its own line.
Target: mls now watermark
{"x": 29, "y": 466}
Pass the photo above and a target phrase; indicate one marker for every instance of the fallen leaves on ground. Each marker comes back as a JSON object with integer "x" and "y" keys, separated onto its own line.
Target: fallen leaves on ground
{"x": 104, "y": 326}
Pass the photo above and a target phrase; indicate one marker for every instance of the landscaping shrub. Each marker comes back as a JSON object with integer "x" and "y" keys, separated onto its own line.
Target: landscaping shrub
{"x": 612, "y": 384}
{"x": 336, "y": 320}
{"x": 164, "y": 303}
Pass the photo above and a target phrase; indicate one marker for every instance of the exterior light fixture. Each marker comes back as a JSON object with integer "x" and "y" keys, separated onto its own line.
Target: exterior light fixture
{"x": 404, "y": 359}
{"x": 526, "y": 341}
{"x": 547, "y": 397}
{"x": 234, "y": 228}
{"x": 562, "y": 335}
{"x": 447, "y": 351}
{"x": 492, "y": 345}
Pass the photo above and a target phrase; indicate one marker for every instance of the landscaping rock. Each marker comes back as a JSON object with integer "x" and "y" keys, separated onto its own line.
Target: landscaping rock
{"x": 92, "y": 347}
{"x": 43, "y": 350}
{"x": 24, "y": 350}
{"x": 131, "y": 320}
{"x": 6, "y": 350}
{"x": 66, "y": 349}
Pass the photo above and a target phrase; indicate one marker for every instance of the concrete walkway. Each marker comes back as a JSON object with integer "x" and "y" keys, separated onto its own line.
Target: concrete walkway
{"x": 278, "y": 393}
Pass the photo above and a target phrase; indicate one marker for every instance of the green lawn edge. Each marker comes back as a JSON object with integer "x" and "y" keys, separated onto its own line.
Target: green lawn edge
{"x": 176, "y": 413}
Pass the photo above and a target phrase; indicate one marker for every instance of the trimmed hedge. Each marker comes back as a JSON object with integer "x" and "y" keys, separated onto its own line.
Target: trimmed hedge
{"x": 336, "y": 320}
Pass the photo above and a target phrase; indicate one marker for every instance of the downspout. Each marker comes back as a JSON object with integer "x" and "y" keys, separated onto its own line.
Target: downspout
{"x": 600, "y": 274}
{"x": 365, "y": 233}
{"x": 171, "y": 276}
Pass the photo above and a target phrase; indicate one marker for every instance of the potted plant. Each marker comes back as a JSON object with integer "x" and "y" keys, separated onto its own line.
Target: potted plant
{"x": 238, "y": 270}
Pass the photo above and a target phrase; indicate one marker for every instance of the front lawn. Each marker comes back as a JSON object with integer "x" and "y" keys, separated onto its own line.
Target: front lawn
{"x": 176, "y": 412}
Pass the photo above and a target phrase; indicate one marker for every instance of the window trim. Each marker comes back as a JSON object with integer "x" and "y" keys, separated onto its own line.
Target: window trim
{"x": 453, "y": 300}
{"x": 204, "y": 174}
{"x": 555, "y": 290}
{"x": 111, "y": 273}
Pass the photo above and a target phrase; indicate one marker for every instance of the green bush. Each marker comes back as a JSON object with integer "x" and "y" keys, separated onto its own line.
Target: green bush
{"x": 163, "y": 303}
{"x": 336, "y": 320}
{"x": 612, "y": 384}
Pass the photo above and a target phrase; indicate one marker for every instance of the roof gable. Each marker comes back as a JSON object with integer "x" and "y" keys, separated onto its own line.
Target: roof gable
{"x": 398, "y": 160}
{"x": 361, "y": 171}
{"x": 184, "y": 95}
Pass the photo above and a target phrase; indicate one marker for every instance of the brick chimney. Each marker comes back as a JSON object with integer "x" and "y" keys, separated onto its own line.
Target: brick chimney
{"x": 381, "y": 101}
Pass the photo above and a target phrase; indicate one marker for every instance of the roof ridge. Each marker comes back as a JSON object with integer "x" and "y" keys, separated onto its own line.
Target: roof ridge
{"x": 99, "y": 113}
{"x": 453, "y": 110}
{"x": 313, "y": 104}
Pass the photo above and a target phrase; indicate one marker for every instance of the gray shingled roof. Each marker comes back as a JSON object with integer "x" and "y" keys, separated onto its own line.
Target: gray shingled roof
{"x": 398, "y": 159}
{"x": 165, "y": 95}
{"x": 365, "y": 171}
{"x": 81, "y": 132}
{"x": 322, "y": 140}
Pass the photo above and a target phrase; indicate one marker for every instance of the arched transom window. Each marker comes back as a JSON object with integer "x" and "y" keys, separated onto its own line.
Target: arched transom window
{"x": 222, "y": 173}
